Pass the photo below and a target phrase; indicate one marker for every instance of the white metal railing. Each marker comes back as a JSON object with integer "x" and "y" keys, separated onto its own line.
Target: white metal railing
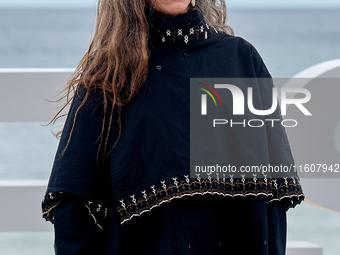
{"x": 23, "y": 97}
{"x": 24, "y": 92}
{"x": 21, "y": 206}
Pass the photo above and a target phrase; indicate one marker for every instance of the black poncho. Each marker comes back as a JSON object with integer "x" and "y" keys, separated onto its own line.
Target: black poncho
{"x": 126, "y": 195}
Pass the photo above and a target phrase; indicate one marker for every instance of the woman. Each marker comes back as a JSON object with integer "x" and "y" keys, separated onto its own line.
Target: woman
{"x": 120, "y": 183}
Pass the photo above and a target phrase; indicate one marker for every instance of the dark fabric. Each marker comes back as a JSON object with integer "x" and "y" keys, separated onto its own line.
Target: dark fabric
{"x": 209, "y": 225}
{"x": 198, "y": 225}
{"x": 154, "y": 146}
{"x": 158, "y": 121}
{"x": 75, "y": 230}
{"x": 153, "y": 206}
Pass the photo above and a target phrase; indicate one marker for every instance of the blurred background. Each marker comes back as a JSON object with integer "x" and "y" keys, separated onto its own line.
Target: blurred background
{"x": 290, "y": 36}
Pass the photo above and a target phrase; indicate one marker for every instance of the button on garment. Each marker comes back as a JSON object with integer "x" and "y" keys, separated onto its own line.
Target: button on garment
{"x": 185, "y": 55}
{"x": 153, "y": 205}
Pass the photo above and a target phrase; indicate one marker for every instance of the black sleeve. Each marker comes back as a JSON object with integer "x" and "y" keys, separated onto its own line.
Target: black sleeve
{"x": 76, "y": 228}
{"x": 79, "y": 190}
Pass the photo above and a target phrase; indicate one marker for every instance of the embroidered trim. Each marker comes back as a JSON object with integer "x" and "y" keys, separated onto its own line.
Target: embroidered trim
{"x": 97, "y": 211}
{"x": 51, "y": 201}
{"x": 287, "y": 189}
{"x": 186, "y": 33}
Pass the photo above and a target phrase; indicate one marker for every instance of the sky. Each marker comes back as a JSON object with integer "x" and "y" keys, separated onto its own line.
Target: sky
{"x": 231, "y": 3}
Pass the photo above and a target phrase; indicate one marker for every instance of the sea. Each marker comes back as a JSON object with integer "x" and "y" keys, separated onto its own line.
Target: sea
{"x": 289, "y": 41}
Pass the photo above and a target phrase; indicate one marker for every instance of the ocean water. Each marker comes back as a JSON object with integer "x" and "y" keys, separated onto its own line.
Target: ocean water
{"x": 288, "y": 40}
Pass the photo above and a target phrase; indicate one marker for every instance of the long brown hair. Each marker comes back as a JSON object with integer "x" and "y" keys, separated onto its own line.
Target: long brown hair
{"x": 117, "y": 59}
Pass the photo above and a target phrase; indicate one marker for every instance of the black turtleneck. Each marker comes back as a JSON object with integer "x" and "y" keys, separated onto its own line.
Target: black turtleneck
{"x": 182, "y": 31}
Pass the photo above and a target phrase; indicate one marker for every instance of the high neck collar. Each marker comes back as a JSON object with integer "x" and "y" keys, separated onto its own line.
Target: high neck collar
{"x": 182, "y": 31}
